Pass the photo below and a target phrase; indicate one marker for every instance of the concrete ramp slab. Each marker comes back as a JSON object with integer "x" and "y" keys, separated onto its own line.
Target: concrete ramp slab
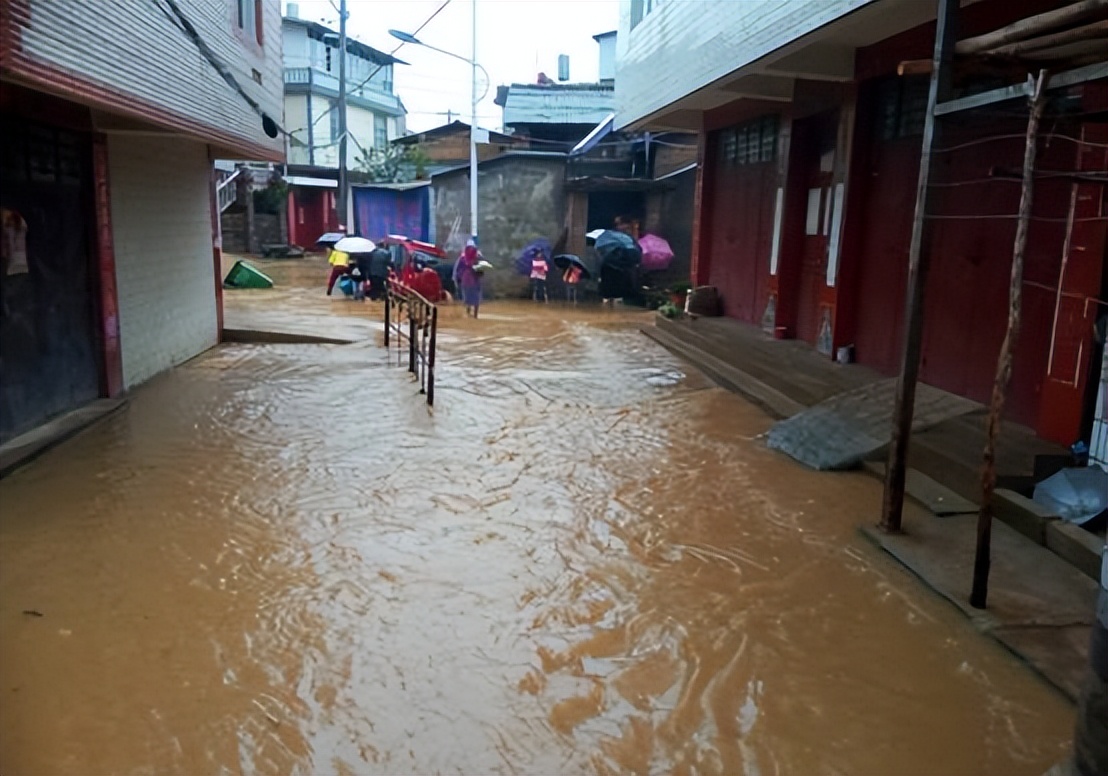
{"x": 843, "y": 431}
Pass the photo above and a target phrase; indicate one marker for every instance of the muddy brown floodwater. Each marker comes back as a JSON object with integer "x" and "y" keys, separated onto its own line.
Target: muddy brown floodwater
{"x": 277, "y": 560}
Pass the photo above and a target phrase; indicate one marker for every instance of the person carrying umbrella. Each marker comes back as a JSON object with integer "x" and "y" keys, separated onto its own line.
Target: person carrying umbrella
{"x": 570, "y": 278}
{"x": 340, "y": 265}
{"x": 467, "y": 278}
{"x": 539, "y": 270}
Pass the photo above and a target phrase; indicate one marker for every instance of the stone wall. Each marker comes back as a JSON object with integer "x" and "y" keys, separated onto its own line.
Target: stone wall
{"x": 520, "y": 198}
{"x": 669, "y": 214}
{"x": 268, "y": 230}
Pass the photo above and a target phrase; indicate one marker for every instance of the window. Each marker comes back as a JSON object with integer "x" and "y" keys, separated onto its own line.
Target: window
{"x": 249, "y": 18}
{"x": 901, "y": 107}
{"x": 641, "y": 9}
{"x": 750, "y": 143}
{"x": 728, "y": 145}
{"x": 328, "y": 59}
{"x": 380, "y": 131}
{"x": 637, "y": 10}
{"x": 334, "y": 117}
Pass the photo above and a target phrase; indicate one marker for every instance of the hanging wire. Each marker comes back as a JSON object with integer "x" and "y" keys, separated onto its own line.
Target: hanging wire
{"x": 1010, "y": 217}
{"x": 379, "y": 67}
{"x": 994, "y": 138}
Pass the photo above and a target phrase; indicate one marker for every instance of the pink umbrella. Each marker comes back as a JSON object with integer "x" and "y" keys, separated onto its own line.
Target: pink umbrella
{"x": 656, "y": 253}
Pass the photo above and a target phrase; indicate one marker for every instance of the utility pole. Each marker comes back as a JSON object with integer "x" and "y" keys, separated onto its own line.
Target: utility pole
{"x": 473, "y": 134}
{"x": 340, "y": 202}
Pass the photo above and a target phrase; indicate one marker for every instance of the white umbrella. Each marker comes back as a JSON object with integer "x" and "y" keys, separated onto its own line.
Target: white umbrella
{"x": 1076, "y": 495}
{"x": 355, "y": 245}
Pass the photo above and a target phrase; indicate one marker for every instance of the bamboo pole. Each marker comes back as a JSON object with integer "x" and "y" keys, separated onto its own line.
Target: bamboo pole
{"x": 981, "y": 561}
{"x": 1092, "y": 31}
{"x": 1032, "y": 26}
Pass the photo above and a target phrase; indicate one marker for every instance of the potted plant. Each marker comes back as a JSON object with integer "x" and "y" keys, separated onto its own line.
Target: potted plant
{"x": 678, "y": 292}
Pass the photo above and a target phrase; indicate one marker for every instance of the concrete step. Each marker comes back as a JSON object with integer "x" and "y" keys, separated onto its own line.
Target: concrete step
{"x": 766, "y": 396}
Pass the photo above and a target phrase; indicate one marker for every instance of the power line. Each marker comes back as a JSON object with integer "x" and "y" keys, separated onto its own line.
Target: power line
{"x": 190, "y": 31}
{"x": 379, "y": 67}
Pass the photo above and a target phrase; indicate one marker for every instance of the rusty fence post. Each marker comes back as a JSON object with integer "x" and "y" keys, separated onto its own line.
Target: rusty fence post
{"x": 411, "y": 338}
{"x": 424, "y": 318}
{"x": 388, "y": 322}
{"x": 431, "y": 356}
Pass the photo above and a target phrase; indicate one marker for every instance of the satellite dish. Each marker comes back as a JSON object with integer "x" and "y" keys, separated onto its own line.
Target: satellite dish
{"x": 269, "y": 126}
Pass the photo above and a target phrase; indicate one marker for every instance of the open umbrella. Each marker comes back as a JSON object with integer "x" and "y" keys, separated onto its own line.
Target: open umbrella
{"x": 656, "y": 253}
{"x": 330, "y": 238}
{"x": 565, "y": 260}
{"x": 354, "y": 245}
{"x": 527, "y": 255}
{"x": 618, "y": 250}
{"x": 1077, "y": 495}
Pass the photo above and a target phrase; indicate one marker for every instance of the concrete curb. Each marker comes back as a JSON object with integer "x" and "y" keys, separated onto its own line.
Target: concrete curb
{"x": 19, "y": 452}
{"x": 270, "y": 337}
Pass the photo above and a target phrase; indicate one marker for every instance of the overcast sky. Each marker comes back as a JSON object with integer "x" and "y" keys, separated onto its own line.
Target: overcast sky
{"x": 516, "y": 39}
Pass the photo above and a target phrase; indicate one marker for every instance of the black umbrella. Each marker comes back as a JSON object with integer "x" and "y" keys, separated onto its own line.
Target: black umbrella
{"x": 329, "y": 239}
{"x": 566, "y": 260}
{"x": 618, "y": 250}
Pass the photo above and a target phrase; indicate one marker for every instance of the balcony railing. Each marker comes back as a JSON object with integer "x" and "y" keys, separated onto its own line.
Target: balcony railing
{"x": 298, "y": 75}
{"x": 372, "y": 93}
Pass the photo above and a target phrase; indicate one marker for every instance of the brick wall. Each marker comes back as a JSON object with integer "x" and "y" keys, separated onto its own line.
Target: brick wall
{"x": 163, "y": 252}
{"x": 267, "y": 228}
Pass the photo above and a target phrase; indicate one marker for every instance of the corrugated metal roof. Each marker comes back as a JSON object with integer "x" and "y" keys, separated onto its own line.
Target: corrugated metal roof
{"x": 558, "y": 104}
{"x": 500, "y": 158}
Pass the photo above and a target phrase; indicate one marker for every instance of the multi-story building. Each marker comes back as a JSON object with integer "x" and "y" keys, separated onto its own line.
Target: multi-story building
{"x": 810, "y": 116}
{"x": 374, "y": 117}
{"x": 374, "y": 113}
{"x": 111, "y": 116}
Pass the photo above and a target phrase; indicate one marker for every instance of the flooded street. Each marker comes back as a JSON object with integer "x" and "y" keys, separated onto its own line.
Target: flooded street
{"x": 277, "y": 560}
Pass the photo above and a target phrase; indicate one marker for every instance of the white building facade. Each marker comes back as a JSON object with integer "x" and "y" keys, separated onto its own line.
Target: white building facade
{"x": 110, "y": 234}
{"x": 374, "y": 114}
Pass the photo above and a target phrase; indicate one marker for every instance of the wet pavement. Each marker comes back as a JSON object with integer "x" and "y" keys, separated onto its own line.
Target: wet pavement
{"x": 276, "y": 559}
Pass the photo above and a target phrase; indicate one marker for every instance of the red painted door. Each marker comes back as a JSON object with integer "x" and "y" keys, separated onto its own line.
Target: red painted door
{"x": 813, "y": 267}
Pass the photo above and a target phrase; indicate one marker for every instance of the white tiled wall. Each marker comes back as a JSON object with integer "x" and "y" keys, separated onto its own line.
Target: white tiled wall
{"x": 162, "y": 228}
{"x": 137, "y": 48}
{"x": 1098, "y": 450}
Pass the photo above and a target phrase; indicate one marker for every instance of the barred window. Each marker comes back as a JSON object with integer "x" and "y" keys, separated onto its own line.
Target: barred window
{"x": 728, "y": 145}
{"x": 752, "y": 142}
{"x": 902, "y": 107}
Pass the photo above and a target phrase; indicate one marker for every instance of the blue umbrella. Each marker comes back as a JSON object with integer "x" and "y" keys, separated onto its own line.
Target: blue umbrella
{"x": 527, "y": 255}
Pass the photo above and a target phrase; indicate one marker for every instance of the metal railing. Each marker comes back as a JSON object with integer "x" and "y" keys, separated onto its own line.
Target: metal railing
{"x": 226, "y": 191}
{"x": 408, "y": 316}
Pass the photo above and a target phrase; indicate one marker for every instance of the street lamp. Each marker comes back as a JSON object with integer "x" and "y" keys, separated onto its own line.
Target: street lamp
{"x": 407, "y": 37}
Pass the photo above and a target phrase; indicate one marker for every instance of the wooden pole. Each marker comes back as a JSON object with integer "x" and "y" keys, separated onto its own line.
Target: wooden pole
{"x": 1032, "y": 26}
{"x": 919, "y": 260}
{"x": 981, "y": 562}
{"x": 1092, "y": 31}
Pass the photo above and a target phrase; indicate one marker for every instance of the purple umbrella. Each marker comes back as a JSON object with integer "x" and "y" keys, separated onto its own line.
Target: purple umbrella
{"x": 656, "y": 253}
{"x": 527, "y": 255}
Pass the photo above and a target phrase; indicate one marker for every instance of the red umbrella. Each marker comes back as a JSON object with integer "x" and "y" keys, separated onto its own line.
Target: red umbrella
{"x": 656, "y": 253}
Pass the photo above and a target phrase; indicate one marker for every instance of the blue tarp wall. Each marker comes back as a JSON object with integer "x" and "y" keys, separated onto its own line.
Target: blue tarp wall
{"x": 380, "y": 211}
